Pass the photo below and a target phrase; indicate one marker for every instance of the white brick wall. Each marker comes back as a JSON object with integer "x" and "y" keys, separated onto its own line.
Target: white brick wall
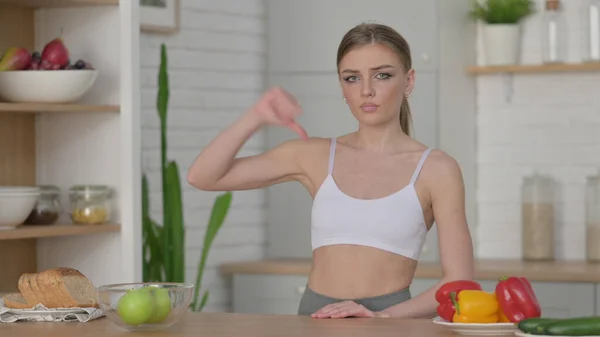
{"x": 551, "y": 124}
{"x": 216, "y": 66}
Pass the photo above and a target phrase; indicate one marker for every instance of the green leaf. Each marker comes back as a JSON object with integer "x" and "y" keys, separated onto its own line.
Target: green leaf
{"x": 217, "y": 218}
{"x": 162, "y": 100}
{"x": 501, "y": 11}
{"x": 204, "y": 301}
{"x": 177, "y": 227}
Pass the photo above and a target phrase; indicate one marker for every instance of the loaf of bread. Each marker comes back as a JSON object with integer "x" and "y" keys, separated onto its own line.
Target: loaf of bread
{"x": 54, "y": 288}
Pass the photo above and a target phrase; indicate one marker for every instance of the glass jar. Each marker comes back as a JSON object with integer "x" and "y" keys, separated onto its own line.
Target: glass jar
{"x": 591, "y": 31}
{"x": 554, "y": 33}
{"x": 592, "y": 218}
{"x": 90, "y": 204}
{"x": 47, "y": 208}
{"x": 537, "y": 217}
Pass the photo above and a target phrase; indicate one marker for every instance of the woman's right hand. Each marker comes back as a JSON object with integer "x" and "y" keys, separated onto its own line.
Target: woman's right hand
{"x": 278, "y": 107}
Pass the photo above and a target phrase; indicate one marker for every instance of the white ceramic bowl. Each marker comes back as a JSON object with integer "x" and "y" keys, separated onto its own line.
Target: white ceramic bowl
{"x": 16, "y": 203}
{"x": 46, "y": 86}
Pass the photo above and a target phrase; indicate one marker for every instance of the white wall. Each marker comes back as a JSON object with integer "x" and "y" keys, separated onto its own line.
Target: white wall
{"x": 552, "y": 124}
{"x": 216, "y": 66}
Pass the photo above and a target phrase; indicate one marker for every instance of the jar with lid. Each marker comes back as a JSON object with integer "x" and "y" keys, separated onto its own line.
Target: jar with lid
{"x": 47, "y": 208}
{"x": 537, "y": 217}
{"x": 90, "y": 204}
{"x": 592, "y": 218}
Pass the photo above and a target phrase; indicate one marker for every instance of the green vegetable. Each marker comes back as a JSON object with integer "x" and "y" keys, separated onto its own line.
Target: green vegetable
{"x": 578, "y": 326}
{"x": 536, "y": 326}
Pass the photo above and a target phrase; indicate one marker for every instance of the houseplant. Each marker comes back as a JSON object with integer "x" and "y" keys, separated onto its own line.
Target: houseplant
{"x": 164, "y": 246}
{"x": 501, "y": 28}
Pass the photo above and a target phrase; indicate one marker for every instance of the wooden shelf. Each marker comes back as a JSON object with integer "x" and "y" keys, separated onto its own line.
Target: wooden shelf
{"x": 41, "y": 231}
{"x": 60, "y": 3}
{"x": 533, "y": 68}
{"x": 42, "y": 107}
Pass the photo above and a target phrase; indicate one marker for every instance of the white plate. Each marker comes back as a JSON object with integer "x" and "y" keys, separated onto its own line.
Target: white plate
{"x": 522, "y": 334}
{"x": 478, "y": 329}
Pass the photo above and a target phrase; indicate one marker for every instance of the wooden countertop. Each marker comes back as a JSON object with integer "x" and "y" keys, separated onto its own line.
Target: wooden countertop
{"x": 243, "y": 325}
{"x": 552, "y": 271}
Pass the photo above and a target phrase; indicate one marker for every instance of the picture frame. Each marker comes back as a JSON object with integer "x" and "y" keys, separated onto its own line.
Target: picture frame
{"x": 159, "y": 16}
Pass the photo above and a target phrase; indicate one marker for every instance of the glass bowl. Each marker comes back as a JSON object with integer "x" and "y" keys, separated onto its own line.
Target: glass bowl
{"x": 145, "y": 306}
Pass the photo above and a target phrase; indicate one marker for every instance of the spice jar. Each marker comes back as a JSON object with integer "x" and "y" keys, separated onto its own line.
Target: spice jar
{"x": 592, "y": 218}
{"x": 90, "y": 204}
{"x": 537, "y": 216}
{"x": 47, "y": 208}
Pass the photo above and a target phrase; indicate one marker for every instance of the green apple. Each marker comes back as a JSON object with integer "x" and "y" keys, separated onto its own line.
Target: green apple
{"x": 162, "y": 305}
{"x": 135, "y": 307}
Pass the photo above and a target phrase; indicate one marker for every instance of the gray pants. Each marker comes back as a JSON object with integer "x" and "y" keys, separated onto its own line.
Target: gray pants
{"x": 312, "y": 301}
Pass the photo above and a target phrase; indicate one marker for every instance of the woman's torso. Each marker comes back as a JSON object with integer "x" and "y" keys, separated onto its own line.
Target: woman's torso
{"x": 375, "y": 189}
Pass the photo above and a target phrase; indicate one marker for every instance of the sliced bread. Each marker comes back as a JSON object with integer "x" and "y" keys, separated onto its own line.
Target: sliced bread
{"x": 26, "y": 290}
{"x": 67, "y": 288}
{"x": 15, "y": 301}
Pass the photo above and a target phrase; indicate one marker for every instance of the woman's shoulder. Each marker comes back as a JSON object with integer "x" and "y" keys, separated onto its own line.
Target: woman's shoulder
{"x": 441, "y": 166}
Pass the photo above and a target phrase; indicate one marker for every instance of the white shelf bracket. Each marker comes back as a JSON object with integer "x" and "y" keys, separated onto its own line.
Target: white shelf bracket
{"x": 508, "y": 87}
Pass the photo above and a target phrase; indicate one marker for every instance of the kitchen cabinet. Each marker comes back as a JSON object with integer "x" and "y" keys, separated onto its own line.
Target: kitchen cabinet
{"x": 303, "y": 37}
{"x": 281, "y": 294}
{"x": 93, "y": 141}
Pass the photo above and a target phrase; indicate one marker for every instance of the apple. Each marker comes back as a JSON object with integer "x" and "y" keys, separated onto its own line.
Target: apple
{"x": 162, "y": 305}
{"x": 136, "y": 306}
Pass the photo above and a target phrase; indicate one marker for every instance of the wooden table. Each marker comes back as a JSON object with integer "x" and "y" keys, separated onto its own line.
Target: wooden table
{"x": 243, "y": 325}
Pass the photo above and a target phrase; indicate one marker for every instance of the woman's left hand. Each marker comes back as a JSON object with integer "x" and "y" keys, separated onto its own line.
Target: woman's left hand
{"x": 347, "y": 309}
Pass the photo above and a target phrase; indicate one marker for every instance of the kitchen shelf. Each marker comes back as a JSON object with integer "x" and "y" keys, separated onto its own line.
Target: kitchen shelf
{"x": 60, "y": 3}
{"x": 533, "y": 68}
{"x": 47, "y": 107}
{"x": 46, "y": 231}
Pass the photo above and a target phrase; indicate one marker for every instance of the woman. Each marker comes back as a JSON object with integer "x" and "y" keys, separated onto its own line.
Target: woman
{"x": 376, "y": 192}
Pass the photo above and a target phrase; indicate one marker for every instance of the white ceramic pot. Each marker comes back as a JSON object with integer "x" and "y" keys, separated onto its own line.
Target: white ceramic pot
{"x": 502, "y": 44}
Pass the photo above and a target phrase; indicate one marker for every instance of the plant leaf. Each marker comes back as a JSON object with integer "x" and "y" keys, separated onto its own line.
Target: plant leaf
{"x": 501, "y": 11}
{"x": 177, "y": 228}
{"x": 217, "y": 218}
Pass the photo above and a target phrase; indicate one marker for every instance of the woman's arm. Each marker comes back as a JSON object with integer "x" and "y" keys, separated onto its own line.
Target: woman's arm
{"x": 456, "y": 246}
{"x": 217, "y": 169}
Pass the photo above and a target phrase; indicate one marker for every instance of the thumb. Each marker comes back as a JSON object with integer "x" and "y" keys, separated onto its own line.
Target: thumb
{"x": 297, "y": 128}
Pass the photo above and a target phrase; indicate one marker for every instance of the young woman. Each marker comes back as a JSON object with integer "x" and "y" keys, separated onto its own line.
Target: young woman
{"x": 376, "y": 191}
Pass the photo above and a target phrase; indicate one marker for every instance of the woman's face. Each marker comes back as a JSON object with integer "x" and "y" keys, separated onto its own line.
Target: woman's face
{"x": 374, "y": 83}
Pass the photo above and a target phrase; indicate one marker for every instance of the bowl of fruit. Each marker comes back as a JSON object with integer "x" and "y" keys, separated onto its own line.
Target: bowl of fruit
{"x": 145, "y": 306}
{"x": 48, "y": 76}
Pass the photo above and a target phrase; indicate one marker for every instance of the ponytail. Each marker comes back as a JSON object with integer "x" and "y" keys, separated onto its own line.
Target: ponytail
{"x": 405, "y": 117}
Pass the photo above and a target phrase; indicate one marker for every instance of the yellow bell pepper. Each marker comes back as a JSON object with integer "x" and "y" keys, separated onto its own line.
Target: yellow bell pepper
{"x": 501, "y": 315}
{"x": 475, "y": 306}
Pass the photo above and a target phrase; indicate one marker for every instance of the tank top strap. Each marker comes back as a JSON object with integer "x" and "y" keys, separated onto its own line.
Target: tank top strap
{"x": 331, "y": 156}
{"x": 419, "y": 166}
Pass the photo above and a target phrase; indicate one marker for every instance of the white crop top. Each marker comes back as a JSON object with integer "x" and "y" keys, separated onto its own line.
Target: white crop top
{"x": 393, "y": 223}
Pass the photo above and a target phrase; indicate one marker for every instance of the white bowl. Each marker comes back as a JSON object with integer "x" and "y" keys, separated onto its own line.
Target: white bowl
{"x": 46, "y": 86}
{"x": 16, "y": 203}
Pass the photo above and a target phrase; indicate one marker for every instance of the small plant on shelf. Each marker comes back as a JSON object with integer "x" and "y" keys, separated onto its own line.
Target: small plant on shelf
{"x": 501, "y": 29}
{"x": 501, "y": 11}
{"x": 164, "y": 246}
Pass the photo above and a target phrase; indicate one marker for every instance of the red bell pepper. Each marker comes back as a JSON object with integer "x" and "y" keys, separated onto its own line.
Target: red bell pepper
{"x": 517, "y": 299}
{"x": 446, "y": 308}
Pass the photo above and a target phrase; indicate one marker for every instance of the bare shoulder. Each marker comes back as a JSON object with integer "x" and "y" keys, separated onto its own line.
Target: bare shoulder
{"x": 442, "y": 171}
{"x": 440, "y": 163}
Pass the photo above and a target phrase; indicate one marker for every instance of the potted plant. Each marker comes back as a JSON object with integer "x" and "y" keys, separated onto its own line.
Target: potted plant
{"x": 501, "y": 28}
{"x": 164, "y": 245}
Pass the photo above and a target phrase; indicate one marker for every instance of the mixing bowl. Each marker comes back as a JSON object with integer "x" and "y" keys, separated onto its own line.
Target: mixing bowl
{"x": 145, "y": 306}
{"x": 16, "y": 202}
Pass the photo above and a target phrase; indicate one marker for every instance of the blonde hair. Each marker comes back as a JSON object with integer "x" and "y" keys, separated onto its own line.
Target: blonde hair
{"x": 368, "y": 33}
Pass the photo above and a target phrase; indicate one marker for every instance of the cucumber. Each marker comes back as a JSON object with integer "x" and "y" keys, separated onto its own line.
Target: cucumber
{"x": 579, "y": 326}
{"x": 536, "y": 326}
